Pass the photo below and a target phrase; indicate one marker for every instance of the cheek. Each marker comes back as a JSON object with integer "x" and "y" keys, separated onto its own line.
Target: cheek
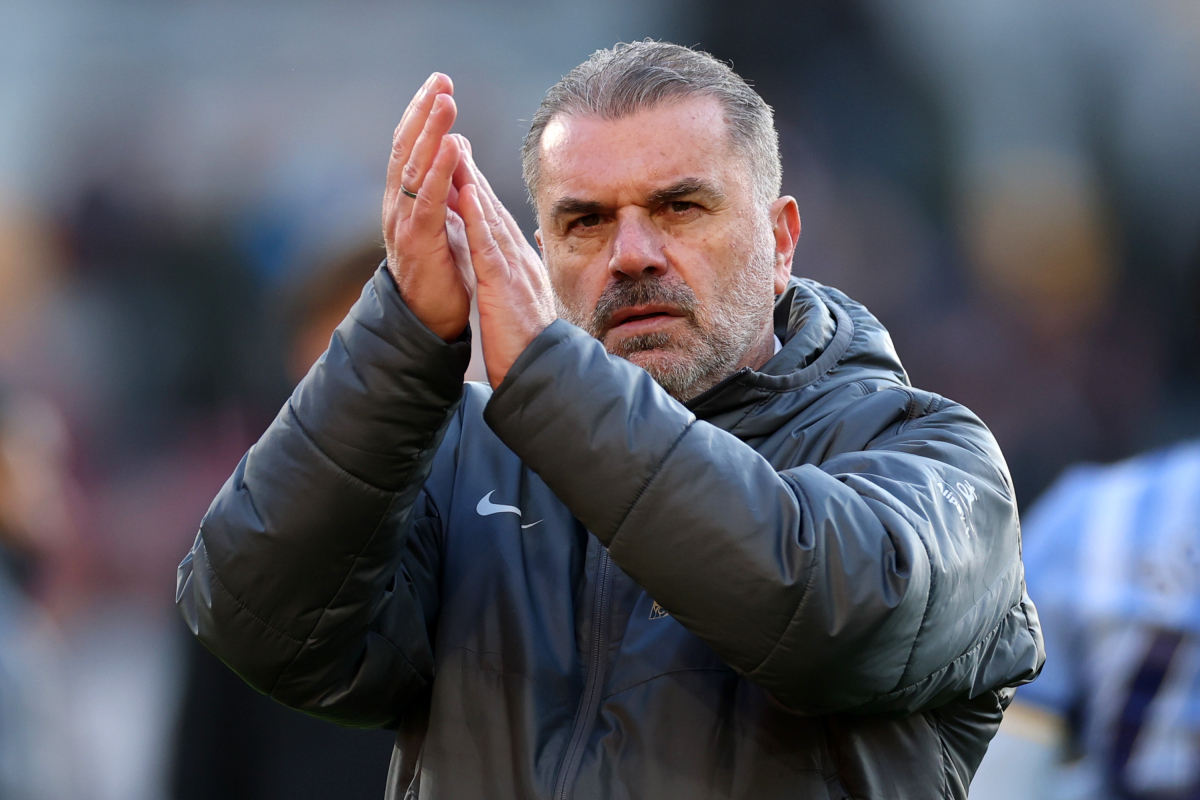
{"x": 749, "y": 251}
{"x": 709, "y": 261}
{"x": 567, "y": 282}
{"x": 577, "y": 277}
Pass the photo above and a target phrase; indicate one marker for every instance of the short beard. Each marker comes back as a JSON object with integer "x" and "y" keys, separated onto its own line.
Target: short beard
{"x": 715, "y": 342}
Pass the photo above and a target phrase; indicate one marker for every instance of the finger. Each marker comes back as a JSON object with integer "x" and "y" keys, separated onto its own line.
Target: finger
{"x": 486, "y": 256}
{"x": 429, "y": 209}
{"x": 436, "y": 83}
{"x": 456, "y": 238}
{"x": 412, "y": 123}
{"x": 463, "y": 174}
{"x": 462, "y": 171}
{"x": 425, "y": 149}
{"x": 487, "y": 202}
{"x": 501, "y": 213}
{"x": 413, "y": 120}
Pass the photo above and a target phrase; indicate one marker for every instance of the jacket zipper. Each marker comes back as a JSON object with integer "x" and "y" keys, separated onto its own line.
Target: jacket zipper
{"x": 585, "y": 718}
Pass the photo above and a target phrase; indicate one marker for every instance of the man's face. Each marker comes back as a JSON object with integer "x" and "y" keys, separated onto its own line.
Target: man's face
{"x": 655, "y": 243}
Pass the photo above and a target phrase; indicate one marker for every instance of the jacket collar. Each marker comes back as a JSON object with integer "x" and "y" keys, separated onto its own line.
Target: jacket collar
{"x": 824, "y": 334}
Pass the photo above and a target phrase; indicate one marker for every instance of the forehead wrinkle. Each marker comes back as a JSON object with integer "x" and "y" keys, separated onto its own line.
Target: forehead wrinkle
{"x": 572, "y": 129}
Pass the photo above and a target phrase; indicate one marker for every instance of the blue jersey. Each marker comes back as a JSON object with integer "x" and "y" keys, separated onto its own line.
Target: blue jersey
{"x": 1112, "y": 559}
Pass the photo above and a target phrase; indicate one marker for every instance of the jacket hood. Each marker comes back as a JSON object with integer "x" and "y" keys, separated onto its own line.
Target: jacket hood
{"x": 828, "y": 340}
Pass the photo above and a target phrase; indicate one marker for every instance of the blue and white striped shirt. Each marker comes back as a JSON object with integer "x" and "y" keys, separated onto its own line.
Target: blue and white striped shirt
{"x": 1112, "y": 560}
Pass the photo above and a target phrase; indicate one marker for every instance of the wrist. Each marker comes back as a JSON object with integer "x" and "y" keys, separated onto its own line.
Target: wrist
{"x": 446, "y": 326}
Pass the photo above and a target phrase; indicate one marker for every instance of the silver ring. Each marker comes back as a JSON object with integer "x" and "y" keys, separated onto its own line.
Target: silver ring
{"x": 413, "y": 195}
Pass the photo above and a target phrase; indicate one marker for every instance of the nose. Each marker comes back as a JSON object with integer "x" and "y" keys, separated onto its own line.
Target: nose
{"x": 638, "y": 249}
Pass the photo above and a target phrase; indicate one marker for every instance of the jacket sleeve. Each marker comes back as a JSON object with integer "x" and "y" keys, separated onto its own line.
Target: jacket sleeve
{"x": 314, "y": 571}
{"x": 885, "y": 579}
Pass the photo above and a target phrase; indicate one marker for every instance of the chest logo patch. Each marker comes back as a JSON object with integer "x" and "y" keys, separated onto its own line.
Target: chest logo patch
{"x": 657, "y": 611}
{"x": 486, "y": 507}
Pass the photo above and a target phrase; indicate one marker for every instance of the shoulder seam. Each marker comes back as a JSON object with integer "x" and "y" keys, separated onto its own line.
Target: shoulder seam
{"x": 918, "y": 416}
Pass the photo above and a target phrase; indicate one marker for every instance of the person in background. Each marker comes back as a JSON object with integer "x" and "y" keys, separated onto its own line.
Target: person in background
{"x": 1112, "y": 556}
{"x": 232, "y": 742}
{"x": 38, "y": 757}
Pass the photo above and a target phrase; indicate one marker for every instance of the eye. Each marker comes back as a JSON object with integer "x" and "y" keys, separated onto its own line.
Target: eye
{"x": 586, "y": 221}
{"x": 681, "y": 206}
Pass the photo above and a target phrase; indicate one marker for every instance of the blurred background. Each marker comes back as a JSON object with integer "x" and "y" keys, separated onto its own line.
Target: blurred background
{"x": 189, "y": 201}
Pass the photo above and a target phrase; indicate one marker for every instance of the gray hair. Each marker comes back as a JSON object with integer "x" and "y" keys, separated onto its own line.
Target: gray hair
{"x": 616, "y": 83}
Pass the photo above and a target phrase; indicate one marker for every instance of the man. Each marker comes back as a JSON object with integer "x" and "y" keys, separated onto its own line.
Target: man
{"x": 663, "y": 554}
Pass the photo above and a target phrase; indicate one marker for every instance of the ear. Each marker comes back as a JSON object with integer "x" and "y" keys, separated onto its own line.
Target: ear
{"x": 785, "y": 222}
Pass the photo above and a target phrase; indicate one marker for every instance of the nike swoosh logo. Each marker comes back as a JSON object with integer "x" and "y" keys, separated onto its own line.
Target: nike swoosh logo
{"x": 486, "y": 506}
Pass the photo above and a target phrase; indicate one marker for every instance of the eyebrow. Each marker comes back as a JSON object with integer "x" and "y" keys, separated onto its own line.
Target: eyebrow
{"x": 687, "y": 187}
{"x": 573, "y": 205}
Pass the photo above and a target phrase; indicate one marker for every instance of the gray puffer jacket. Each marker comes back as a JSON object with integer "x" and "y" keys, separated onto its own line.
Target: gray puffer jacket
{"x": 805, "y": 583}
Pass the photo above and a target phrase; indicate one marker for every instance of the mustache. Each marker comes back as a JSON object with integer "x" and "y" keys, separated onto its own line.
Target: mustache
{"x": 640, "y": 292}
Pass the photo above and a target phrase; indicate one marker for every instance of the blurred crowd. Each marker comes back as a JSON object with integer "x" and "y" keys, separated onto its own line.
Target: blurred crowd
{"x": 189, "y": 203}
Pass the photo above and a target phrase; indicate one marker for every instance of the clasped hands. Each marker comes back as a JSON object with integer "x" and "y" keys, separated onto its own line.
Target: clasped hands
{"x": 455, "y": 239}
